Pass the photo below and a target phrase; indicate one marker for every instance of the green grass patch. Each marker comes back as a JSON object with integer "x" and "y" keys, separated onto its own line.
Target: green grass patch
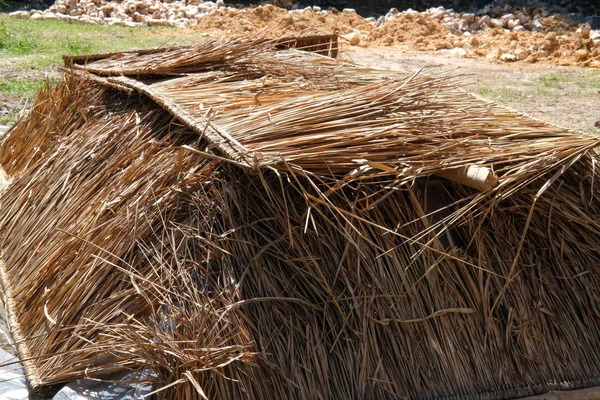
{"x": 31, "y": 48}
{"x": 48, "y": 40}
{"x": 583, "y": 79}
{"x": 555, "y": 80}
{"x": 591, "y": 80}
{"x": 564, "y": 82}
{"x": 542, "y": 91}
{"x": 506, "y": 95}
{"x": 19, "y": 87}
{"x": 77, "y": 47}
{"x": 502, "y": 95}
{"x": 15, "y": 41}
{"x": 19, "y": 91}
{"x": 10, "y": 118}
{"x": 486, "y": 91}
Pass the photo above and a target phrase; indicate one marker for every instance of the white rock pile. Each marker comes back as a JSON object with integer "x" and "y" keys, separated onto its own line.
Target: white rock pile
{"x": 127, "y": 13}
{"x": 595, "y": 36}
{"x": 514, "y": 20}
{"x": 189, "y": 12}
{"x": 511, "y": 20}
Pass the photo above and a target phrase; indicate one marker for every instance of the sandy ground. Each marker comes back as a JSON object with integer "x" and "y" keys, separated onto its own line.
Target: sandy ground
{"x": 565, "y": 96}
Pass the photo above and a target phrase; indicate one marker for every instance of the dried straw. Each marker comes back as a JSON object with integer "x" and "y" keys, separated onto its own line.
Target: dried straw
{"x": 319, "y": 255}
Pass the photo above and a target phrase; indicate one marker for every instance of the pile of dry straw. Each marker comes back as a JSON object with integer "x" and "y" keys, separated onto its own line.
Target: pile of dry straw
{"x": 255, "y": 222}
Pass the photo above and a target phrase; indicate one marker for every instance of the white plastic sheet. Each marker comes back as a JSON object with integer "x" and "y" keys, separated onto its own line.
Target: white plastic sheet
{"x": 86, "y": 389}
{"x": 12, "y": 378}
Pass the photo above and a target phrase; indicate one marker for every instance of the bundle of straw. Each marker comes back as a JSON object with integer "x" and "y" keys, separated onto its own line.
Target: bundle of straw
{"x": 249, "y": 233}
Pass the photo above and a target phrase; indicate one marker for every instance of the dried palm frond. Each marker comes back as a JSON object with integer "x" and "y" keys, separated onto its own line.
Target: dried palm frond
{"x": 54, "y": 112}
{"x": 273, "y": 224}
{"x": 208, "y": 55}
{"x": 375, "y": 312}
{"x": 357, "y": 122}
{"x": 78, "y": 204}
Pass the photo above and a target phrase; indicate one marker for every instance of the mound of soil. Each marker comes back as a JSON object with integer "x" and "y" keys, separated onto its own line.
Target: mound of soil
{"x": 272, "y": 21}
{"x": 420, "y": 31}
{"x": 571, "y": 48}
{"x": 563, "y": 42}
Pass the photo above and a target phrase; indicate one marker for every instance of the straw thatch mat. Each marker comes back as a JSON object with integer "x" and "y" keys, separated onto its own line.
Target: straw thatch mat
{"x": 256, "y": 222}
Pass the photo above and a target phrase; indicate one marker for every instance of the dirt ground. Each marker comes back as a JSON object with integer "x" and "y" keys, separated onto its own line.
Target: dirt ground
{"x": 565, "y": 96}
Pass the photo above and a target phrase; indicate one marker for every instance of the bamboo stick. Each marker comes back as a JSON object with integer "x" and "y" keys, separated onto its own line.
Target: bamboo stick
{"x": 480, "y": 178}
